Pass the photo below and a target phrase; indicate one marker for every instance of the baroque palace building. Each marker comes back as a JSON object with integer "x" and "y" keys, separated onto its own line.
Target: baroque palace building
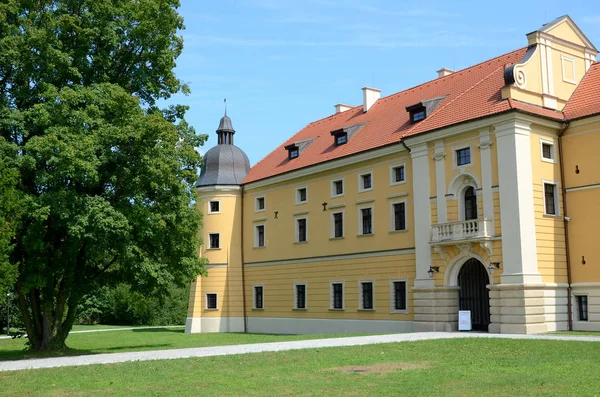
{"x": 479, "y": 190}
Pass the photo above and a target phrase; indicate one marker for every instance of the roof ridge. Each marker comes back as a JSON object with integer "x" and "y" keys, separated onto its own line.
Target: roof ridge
{"x": 422, "y": 84}
{"x": 455, "y": 73}
{"x": 443, "y": 106}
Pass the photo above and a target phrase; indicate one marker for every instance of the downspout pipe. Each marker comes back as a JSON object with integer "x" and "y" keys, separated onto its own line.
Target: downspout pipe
{"x": 566, "y": 223}
{"x": 243, "y": 266}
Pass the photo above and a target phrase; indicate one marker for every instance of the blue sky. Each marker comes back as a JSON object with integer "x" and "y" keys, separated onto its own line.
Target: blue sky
{"x": 282, "y": 64}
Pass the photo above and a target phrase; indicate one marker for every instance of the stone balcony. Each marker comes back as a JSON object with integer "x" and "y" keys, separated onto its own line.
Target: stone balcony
{"x": 456, "y": 232}
{"x": 463, "y": 234}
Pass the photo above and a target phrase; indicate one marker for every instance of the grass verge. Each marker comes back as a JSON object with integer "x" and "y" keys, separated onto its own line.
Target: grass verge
{"x": 459, "y": 367}
{"x": 143, "y": 339}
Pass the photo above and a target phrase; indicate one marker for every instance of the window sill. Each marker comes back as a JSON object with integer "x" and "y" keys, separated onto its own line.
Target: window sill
{"x": 299, "y": 310}
{"x": 365, "y": 235}
{"x": 213, "y": 213}
{"x": 254, "y": 308}
{"x": 259, "y": 248}
{"x": 336, "y": 310}
{"x": 366, "y": 310}
{"x": 545, "y": 160}
{"x": 365, "y": 190}
{"x": 398, "y": 183}
{"x": 260, "y": 210}
{"x": 212, "y": 310}
{"x": 551, "y": 216}
{"x": 398, "y": 231}
{"x": 399, "y": 312}
{"x": 213, "y": 249}
{"x": 336, "y": 238}
{"x": 301, "y": 242}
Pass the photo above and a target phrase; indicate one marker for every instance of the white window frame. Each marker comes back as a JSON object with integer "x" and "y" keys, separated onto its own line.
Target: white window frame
{"x": 332, "y": 220}
{"x": 254, "y": 297}
{"x": 210, "y": 247}
{"x": 393, "y": 174}
{"x": 333, "y": 191}
{"x": 556, "y": 196}
{"x": 256, "y": 199}
{"x": 393, "y": 220}
{"x": 331, "y": 283}
{"x": 296, "y": 284}
{"x": 206, "y": 300}
{"x": 455, "y": 150}
{"x": 461, "y": 201}
{"x": 210, "y": 211}
{"x": 393, "y": 309}
{"x": 360, "y": 220}
{"x": 360, "y": 294}
{"x": 256, "y": 226}
{"x": 360, "y": 182}
{"x": 297, "y": 229}
{"x": 552, "y": 151}
{"x": 298, "y": 202}
{"x": 577, "y": 308}
{"x": 564, "y": 60}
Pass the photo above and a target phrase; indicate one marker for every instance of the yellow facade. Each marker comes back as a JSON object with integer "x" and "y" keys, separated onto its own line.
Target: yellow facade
{"x": 492, "y": 209}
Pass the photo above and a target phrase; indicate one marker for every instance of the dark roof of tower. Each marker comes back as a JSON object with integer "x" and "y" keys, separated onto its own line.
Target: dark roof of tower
{"x": 225, "y": 124}
{"x": 224, "y": 164}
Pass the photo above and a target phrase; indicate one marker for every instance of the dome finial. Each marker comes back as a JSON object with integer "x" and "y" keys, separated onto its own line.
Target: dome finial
{"x": 225, "y": 130}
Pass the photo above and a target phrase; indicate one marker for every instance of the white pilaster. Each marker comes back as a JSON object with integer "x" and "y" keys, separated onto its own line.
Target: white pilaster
{"x": 440, "y": 181}
{"x": 420, "y": 167}
{"x": 485, "y": 144}
{"x": 519, "y": 253}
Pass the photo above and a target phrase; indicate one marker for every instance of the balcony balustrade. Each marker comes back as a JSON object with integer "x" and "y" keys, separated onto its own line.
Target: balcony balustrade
{"x": 475, "y": 229}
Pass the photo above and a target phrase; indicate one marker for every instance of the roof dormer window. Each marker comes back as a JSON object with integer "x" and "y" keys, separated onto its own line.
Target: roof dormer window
{"x": 418, "y": 115}
{"x": 293, "y": 151}
{"x": 343, "y": 135}
{"x": 421, "y": 110}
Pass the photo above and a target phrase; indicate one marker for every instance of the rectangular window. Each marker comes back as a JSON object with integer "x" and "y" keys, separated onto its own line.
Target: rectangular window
{"x": 300, "y": 296}
{"x": 366, "y": 182}
{"x": 366, "y": 215}
{"x": 582, "y": 307}
{"x": 366, "y": 295}
{"x": 293, "y": 153}
{"x": 463, "y": 156}
{"x": 399, "y": 216}
{"x": 301, "y": 195}
{"x": 398, "y": 295}
{"x": 550, "y": 199}
{"x": 337, "y": 188}
{"x": 341, "y": 139}
{"x": 338, "y": 225}
{"x": 301, "y": 230}
{"x": 397, "y": 175}
{"x": 213, "y": 241}
{"x": 214, "y": 207}
{"x": 259, "y": 236}
{"x": 211, "y": 301}
{"x": 259, "y": 204}
{"x": 258, "y": 297}
{"x": 337, "y": 295}
{"x": 546, "y": 151}
{"x": 418, "y": 116}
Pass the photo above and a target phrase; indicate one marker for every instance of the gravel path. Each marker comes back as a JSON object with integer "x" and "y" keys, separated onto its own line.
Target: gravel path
{"x": 111, "y": 358}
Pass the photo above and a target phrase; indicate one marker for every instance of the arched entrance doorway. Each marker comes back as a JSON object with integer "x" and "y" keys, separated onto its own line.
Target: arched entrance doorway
{"x": 473, "y": 294}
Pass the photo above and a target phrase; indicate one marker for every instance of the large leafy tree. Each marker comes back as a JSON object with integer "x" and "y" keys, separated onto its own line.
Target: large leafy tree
{"x": 103, "y": 175}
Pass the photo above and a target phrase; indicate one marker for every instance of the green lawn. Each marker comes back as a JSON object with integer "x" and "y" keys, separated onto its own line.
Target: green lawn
{"x": 143, "y": 339}
{"x": 470, "y": 367}
{"x": 102, "y": 326}
{"x": 577, "y": 333}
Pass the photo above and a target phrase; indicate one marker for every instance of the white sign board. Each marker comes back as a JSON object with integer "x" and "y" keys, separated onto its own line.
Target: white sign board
{"x": 464, "y": 320}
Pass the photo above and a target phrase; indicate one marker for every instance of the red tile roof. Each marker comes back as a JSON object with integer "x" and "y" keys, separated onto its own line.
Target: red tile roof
{"x": 468, "y": 94}
{"x": 585, "y": 101}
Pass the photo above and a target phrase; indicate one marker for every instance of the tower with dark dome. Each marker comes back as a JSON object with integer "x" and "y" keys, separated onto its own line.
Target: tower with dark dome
{"x": 216, "y": 300}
